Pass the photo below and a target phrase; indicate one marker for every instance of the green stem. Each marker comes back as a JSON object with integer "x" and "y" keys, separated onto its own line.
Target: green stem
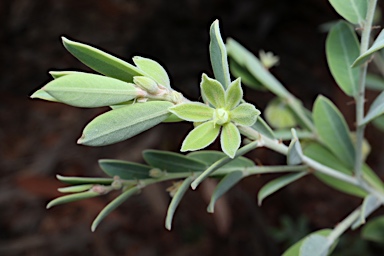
{"x": 344, "y": 225}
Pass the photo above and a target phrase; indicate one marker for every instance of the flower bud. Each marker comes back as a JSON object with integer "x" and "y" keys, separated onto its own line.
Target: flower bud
{"x": 146, "y": 83}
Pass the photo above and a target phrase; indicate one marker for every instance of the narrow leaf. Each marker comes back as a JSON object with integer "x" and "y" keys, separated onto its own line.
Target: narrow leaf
{"x": 113, "y": 205}
{"x": 212, "y": 91}
{"x": 43, "y": 95}
{"x": 57, "y": 74}
{"x": 247, "y": 78}
{"x": 102, "y": 62}
{"x": 72, "y": 198}
{"x": 84, "y": 180}
{"x": 176, "y": 200}
{"x": 315, "y": 245}
{"x": 201, "y": 137}
{"x": 262, "y": 127}
{"x": 123, "y": 123}
{"x": 224, "y": 185}
{"x": 376, "y": 46}
{"x": 295, "y": 153}
{"x": 89, "y": 90}
{"x": 376, "y": 109}
{"x": 124, "y": 170}
{"x": 218, "y": 55}
{"x": 342, "y": 48}
{"x": 374, "y": 82}
{"x": 245, "y": 114}
{"x": 374, "y": 230}
{"x": 153, "y": 69}
{"x": 276, "y": 184}
{"x": 370, "y": 204}
{"x": 353, "y": 11}
{"x": 233, "y": 94}
{"x": 75, "y": 189}
{"x": 230, "y": 139}
{"x": 193, "y": 111}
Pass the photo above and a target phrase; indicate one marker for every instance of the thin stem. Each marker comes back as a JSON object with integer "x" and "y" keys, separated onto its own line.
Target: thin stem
{"x": 344, "y": 225}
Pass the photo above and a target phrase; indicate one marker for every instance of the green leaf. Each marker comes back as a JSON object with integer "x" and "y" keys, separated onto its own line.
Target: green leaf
{"x": 333, "y": 130}
{"x": 84, "y": 180}
{"x": 295, "y": 153}
{"x": 113, "y": 205}
{"x": 353, "y": 11}
{"x": 230, "y": 139}
{"x": 212, "y": 90}
{"x": 193, "y": 111}
{"x": 43, "y": 95}
{"x": 200, "y": 137}
{"x": 246, "y": 59}
{"x": 374, "y": 82}
{"x": 378, "y": 122}
{"x": 262, "y": 127}
{"x": 276, "y": 184}
{"x": 245, "y": 114}
{"x": 153, "y": 69}
{"x": 172, "y": 162}
{"x": 224, "y": 185}
{"x": 376, "y": 109}
{"x": 76, "y": 188}
{"x": 315, "y": 245}
{"x": 342, "y": 48}
{"x": 218, "y": 55}
{"x": 57, "y": 74}
{"x": 102, "y": 62}
{"x": 294, "y": 250}
{"x": 247, "y": 78}
{"x": 374, "y": 230}
{"x": 124, "y": 170}
{"x": 279, "y": 115}
{"x": 376, "y": 46}
{"x": 123, "y": 123}
{"x": 370, "y": 204}
{"x": 176, "y": 200}
{"x": 233, "y": 94}
{"x": 72, "y": 198}
{"x": 89, "y": 90}
{"x": 172, "y": 118}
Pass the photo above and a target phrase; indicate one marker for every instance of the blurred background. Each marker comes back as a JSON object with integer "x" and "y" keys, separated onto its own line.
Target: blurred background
{"x": 38, "y": 139}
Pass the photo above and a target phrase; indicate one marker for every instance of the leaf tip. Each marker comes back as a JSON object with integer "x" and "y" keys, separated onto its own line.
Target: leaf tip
{"x": 211, "y": 208}
{"x": 81, "y": 139}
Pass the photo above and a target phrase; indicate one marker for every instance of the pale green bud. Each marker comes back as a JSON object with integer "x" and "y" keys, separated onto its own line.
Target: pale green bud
{"x": 220, "y": 116}
{"x": 146, "y": 83}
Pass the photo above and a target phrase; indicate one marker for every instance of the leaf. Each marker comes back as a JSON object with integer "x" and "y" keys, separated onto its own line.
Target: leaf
{"x": 353, "y": 11}
{"x": 176, "y": 200}
{"x": 262, "y": 127}
{"x": 43, "y": 95}
{"x": 200, "y": 137}
{"x": 113, "y": 205}
{"x": 124, "y": 170}
{"x": 295, "y": 153}
{"x": 153, "y": 69}
{"x": 72, "y": 198}
{"x": 230, "y": 139}
{"x": 102, "y": 62}
{"x": 276, "y": 184}
{"x": 279, "y": 115}
{"x": 218, "y": 55}
{"x": 193, "y": 111}
{"x": 378, "y": 122}
{"x": 376, "y": 109}
{"x": 57, "y": 74}
{"x": 247, "y": 78}
{"x": 342, "y": 48}
{"x": 245, "y": 114}
{"x": 212, "y": 90}
{"x": 377, "y": 45}
{"x": 84, "y": 180}
{"x": 89, "y": 90}
{"x": 224, "y": 185}
{"x": 76, "y": 188}
{"x": 294, "y": 250}
{"x": 333, "y": 130}
{"x": 374, "y": 82}
{"x": 315, "y": 245}
{"x": 172, "y": 118}
{"x": 374, "y": 230}
{"x": 233, "y": 94}
{"x": 123, "y": 123}
{"x": 370, "y": 204}
{"x": 172, "y": 162}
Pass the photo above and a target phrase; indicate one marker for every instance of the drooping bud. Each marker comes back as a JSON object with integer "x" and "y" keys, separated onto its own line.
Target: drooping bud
{"x": 146, "y": 83}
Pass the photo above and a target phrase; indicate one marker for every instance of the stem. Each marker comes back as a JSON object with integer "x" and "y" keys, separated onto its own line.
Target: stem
{"x": 360, "y": 98}
{"x": 344, "y": 225}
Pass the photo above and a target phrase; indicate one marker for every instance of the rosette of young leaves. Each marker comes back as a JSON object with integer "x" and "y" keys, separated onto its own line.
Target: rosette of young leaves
{"x": 222, "y": 113}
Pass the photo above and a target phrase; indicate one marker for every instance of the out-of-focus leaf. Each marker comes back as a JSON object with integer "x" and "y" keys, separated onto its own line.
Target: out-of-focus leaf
{"x": 374, "y": 230}
{"x": 123, "y": 123}
{"x": 233, "y": 94}
{"x": 377, "y": 45}
{"x": 72, "y": 198}
{"x": 279, "y": 115}
{"x": 213, "y": 91}
{"x": 201, "y": 136}
{"x": 378, "y": 122}
{"x": 295, "y": 153}
{"x": 247, "y": 78}
{"x": 286, "y": 134}
{"x": 89, "y": 90}
{"x": 342, "y": 48}
{"x": 262, "y": 127}
{"x": 376, "y": 109}
{"x": 230, "y": 139}
{"x": 245, "y": 114}
{"x": 224, "y": 185}
{"x": 75, "y": 189}
{"x": 84, "y": 180}
{"x": 218, "y": 55}
{"x": 153, "y": 69}
{"x": 353, "y": 11}
{"x": 172, "y": 162}
{"x": 370, "y": 204}
{"x": 102, "y": 62}
{"x": 113, "y": 205}
{"x": 192, "y": 111}
{"x": 125, "y": 170}
{"x": 315, "y": 245}
{"x": 43, "y": 95}
{"x": 374, "y": 82}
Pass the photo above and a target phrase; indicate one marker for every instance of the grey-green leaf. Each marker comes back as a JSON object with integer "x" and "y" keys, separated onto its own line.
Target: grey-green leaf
{"x": 84, "y": 180}
{"x": 295, "y": 153}
{"x": 75, "y": 188}
{"x": 262, "y": 127}
{"x": 342, "y": 48}
{"x": 57, "y": 74}
{"x": 218, "y": 55}
{"x": 376, "y": 46}
{"x": 102, "y": 62}
{"x": 353, "y": 11}
{"x": 374, "y": 82}
{"x": 123, "y": 123}
{"x": 43, "y": 95}
{"x": 376, "y": 109}
{"x": 374, "y": 230}
{"x": 247, "y": 78}
{"x": 315, "y": 245}
{"x": 153, "y": 69}
{"x": 224, "y": 185}
{"x": 370, "y": 204}
{"x": 72, "y": 198}
{"x": 113, "y": 205}
{"x": 124, "y": 169}
{"x": 276, "y": 184}
{"x": 90, "y": 90}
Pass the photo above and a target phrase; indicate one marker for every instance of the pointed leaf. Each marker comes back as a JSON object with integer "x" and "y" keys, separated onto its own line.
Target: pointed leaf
{"x": 43, "y": 95}
{"x": 342, "y": 48}
{"x": 218, "y": 55}
{"x": 153, "y": 69}
{"x": 295, "y": 153}
{"x": 376, "y": 46}
{"x": 176, "y": 200}
{"x": 113, "y": 205}
{"x": 245, "y": 114}
{"x": 212, "y": 90}
{"x": 353, "y": 11}
{"x": 124, "y": 169}
{"x": 262, "y": 127}
{"x": 333, "y": 130}
{"x": 376, "y": 109}
{"x": 72, "y": 198}
{"x": 233, "y": 94}
{"x": 315, "y": 245}
{"x": 57, "y": 74}
{"x": 172, "y": 118}
{"x": 123, "y": 123}
{"x": 276, "y": 184}
{"x": 172, "y": 162}
{"x": 76, "y": 188}
{"x": 247, "y": 78}
{"x": 374, "y": 230}
{"x": 84, "y": 180}
{"x": 193, "y": 111}
{"x": 370, "y": 204}
{"x": 224, "y": 185}
{"x": 201, "y": 137}
{"x": 89, "y": 90}
{"x": 230, "y": 139}
{"x": 102, "y": 62}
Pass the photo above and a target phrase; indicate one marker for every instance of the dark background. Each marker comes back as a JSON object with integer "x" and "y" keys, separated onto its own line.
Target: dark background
{"x": 38, "y": 139}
